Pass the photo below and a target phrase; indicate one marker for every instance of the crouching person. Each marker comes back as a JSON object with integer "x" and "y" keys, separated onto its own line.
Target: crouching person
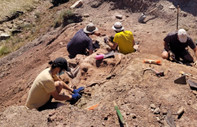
{"x": 47, "y": 86}
{"x": 175, "y": 45}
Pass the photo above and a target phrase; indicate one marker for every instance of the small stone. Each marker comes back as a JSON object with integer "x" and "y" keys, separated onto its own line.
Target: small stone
{"x": 103, "y": 34}
{"x": 164, "y": 111}
{"x": 58, "y": 124}
{"x": 184, "y": 15}
{"x": 61, "y": 43}
{"x": 194, "y": 92}
{"x": 77, "y": 4}
{"x": 180, "y": 111}
{"x": 172, "y": 7}
{"x": 86, "y": 15}
{"x": 189, "y": 102}
{"x": 96, "y": 4}
{"x": 128, "y": 113}
{"x": 15, "y": 30}
{"x": 158, "y": 119}
{"x": 4, "y": 36}
{"x": 152, "y": 106}
{"x": 119, "y": 16}
{"x": 157, "y": 111}
{"x": 133, "y": 116}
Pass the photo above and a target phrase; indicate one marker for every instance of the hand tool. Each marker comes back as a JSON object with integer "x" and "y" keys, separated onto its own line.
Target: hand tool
{"x": 158, "y": 74}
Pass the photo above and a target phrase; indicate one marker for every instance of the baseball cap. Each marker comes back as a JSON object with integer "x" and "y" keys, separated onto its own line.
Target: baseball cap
{"x": 182, "y": 35}
{"x": 60, "y": 62}
{"x": 117, "y": 26}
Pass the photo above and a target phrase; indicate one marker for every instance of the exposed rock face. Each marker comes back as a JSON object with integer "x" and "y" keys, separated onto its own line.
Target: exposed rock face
{"x": 4, "y": 36}
{"x": 14, "y": 15}
{"x": 57, "y": 2}
{"x": 133, "y": 5}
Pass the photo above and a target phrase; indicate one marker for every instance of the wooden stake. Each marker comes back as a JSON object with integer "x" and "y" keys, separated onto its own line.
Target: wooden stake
{"x": 177, "y": 24}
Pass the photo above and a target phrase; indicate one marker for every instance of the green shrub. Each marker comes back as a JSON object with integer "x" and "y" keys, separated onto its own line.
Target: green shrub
{"x": 63, "y": 17}
{"x": 4, "y": 50}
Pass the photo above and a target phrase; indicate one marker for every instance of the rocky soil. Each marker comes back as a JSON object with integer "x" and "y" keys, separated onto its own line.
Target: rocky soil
{"x": 143, "y": 98}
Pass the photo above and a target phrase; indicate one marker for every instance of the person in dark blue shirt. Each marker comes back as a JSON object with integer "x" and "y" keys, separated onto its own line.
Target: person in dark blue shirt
{"x": 81, "y": 43}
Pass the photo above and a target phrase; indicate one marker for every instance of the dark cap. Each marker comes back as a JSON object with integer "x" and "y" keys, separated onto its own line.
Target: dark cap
{"x": 60, "y": 62}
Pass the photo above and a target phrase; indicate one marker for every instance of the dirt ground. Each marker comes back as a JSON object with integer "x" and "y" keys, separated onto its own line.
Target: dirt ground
{"x": 144, "y": 99}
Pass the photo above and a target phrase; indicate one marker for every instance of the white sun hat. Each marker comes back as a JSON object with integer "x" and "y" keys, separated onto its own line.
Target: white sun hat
{"x": 182, "y": 35}
{"x": 117, "y": 26}
{"x": 90, "y": 28}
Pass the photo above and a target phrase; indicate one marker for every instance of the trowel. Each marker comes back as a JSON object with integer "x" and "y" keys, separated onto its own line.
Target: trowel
{"x": 103, "y": 56}
{"x": 143, "y": 15}
{"x": 192, "y": 84}
{"x": 181, "y": 80}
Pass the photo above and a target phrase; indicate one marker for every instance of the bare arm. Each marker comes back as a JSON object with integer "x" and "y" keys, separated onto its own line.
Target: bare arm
{"x": 114, "y": 46}
{"x": 64, "y": 85}
{"x": 195, "y": 52}
{"x": 97, "y": 33}
{"x": 90, "y": 52}
{"x": 111, "y": 44}
{"x": 60, "y": 97}
{"x": 56, "y": 94}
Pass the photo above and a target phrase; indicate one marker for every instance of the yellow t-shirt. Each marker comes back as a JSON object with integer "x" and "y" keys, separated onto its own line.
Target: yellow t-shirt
{"x": 125, "y": 41}
{"x": 40, "y": 91}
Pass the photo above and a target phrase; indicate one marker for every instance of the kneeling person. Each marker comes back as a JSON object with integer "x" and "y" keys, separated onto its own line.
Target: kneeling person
{"x": 123, "y": 40}
{"x": 81, "y": 43}
{"x": 47, "y": 86}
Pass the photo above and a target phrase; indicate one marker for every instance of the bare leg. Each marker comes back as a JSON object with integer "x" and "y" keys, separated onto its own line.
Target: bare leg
{"x": 58, "y": 86}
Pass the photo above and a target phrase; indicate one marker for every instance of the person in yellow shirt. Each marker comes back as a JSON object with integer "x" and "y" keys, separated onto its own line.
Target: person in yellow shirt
{"x": 47, "y": 86}
{"x": 123, "y": 40}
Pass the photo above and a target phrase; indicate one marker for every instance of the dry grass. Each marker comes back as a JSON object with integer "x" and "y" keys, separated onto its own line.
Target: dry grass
{"x": 8, "y": 7}
{"x": 40, "y": 26}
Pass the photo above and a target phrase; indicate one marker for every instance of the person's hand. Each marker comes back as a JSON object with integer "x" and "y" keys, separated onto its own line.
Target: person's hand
{"x": 136, "y": 47}
{"x": 97, "y": 33}
{"x": 171, "y": 55}
{"x": 106, "y": 39}
{"x": 76, "y": 96}
{"x": 195, "y": 63}
{"x": 78, "y": 90}
{"x": 111, "y": 38}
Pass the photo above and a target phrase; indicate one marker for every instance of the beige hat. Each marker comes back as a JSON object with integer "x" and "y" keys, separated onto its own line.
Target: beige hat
{"x": 90, "y": 28}
{"x": 182, "y": 35}
{"x": 117, "y": 26}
